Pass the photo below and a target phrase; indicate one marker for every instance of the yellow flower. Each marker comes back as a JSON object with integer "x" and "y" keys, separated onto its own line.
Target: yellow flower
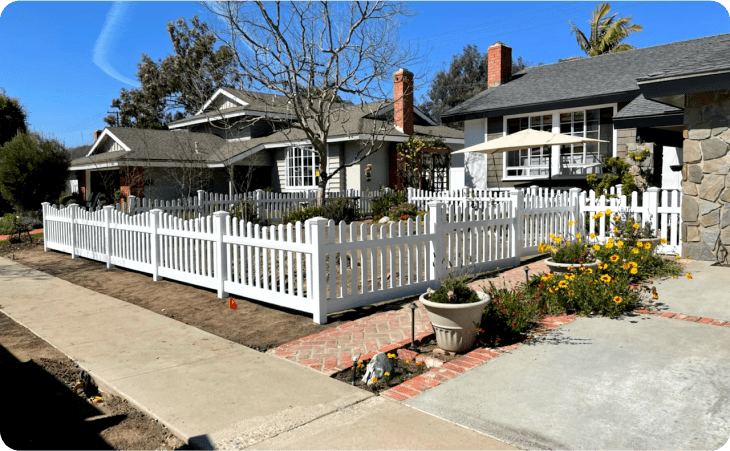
{"x": 375, "y": 380}
{"x": 615, "y": 229}
{"x": 562, "y": 284}
{"x": 544, "y": 278}
{"x": 609, "y": 245}
{"x": 626, "y": 266}
{"x": 578, "y": 235}
{"x": 617, "y": 299}
{"x": 599, "y": 215}
{"x": 571, "y": 292}
{"x": 558, "y": 239}
{"x": 689, "y": 276}
{"x": 606, "y": 278}
{"x": 596, "y": 247}
{"x": 620, "y": 244}
{"x": 615, "y": 218}
{"x": 636, "y": 226}
{"x": 634, "y": 271}
{"x": 579, "y": 240}
{"x": 551, "y": 289}
{"x": 635, "y": 250}
{"x": 664, "y": 241}
{"x": 570, "y": 276}
{"x": 633, "y": 264}
{"x": 614, "y": 258}
{"x": 608, "y": 212}
{"x": 677, "y": 256}
{"x": 386, "y": 373}
{"x": 593, "y": 236}
{"x": 589, "y": 270}
{"x": 552, "y": 236}
{"x": 602, "y": 265}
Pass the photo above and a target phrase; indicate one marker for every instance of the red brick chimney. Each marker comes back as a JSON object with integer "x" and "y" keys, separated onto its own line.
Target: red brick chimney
{"x": 97, "y": 133}
{"x": 499, "y": 64}
{"x": 403, "y": 96}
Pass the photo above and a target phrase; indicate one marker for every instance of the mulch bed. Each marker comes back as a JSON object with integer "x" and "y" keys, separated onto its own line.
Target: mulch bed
{"x": 402, "y": 372}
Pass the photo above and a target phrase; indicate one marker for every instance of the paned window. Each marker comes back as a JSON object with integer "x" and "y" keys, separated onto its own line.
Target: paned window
{"x": 529, "y": 162}
{"x": 302, "y": 167}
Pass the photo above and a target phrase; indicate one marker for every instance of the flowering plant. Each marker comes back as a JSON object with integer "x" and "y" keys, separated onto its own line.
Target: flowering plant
{"x": 565, "y": 251}
{"x": 625, "y": 228}
{"x": 453, "y": 290}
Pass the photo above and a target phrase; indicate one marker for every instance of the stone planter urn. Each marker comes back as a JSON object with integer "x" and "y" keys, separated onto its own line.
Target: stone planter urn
{"x": 455, "y": 325}
{"x": 653, "y": 242}
{"x": 561, "y": 268}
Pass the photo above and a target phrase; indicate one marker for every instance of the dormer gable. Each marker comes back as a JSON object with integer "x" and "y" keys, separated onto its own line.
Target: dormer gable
{"x": 222, "y": 99}
{"x": 107, "y": 142}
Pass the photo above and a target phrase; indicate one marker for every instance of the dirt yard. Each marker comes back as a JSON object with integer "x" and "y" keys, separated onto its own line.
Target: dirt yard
{"x": 253, "y": 324}
{"x": 43, "y": 411}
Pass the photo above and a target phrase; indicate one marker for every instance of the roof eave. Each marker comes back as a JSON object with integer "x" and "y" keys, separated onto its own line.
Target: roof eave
{"x": 684, "y": 84}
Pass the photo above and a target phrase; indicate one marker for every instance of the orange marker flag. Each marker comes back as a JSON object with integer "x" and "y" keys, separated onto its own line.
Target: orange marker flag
{"x": 232, "y": 304}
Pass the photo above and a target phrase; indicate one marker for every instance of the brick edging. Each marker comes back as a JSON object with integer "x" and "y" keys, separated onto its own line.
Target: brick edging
{"x": 447, "y": 371}
{"x": 682, "y": 317}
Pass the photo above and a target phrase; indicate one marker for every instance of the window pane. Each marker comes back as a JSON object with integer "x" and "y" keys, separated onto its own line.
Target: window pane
{"x": 513, "y": 125}
{"x": 578, "y": 128}
{"x": 578, "y": 116}
{"x": 565, "y": 128}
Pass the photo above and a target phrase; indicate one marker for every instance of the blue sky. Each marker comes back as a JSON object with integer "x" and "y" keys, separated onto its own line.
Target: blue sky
{"x": 66, "y": 61}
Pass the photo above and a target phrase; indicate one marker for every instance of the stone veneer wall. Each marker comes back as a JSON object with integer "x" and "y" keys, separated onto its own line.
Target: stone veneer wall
{"x": 624, "y": 137}
{"x": 706, "y": 176}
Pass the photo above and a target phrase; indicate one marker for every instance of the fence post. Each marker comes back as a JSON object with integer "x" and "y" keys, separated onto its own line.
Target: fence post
{"x": 575, "y": 214}
{"x": 72, "y": 214}
{"x": 45, "y": 225}
{"x": 516, "y": 240}
{"x": 319, "y": 276}
{"x": 219, "y": 227}
{"x": 201, "y": 193}
{"x": 438, "y": 253}
{"x": 653, "y": 207}
{"x": 410, "y": 194}
{"x": 155, "y": 244}
{"x": 108, "y": 235}
{"x": 131, "y": 200}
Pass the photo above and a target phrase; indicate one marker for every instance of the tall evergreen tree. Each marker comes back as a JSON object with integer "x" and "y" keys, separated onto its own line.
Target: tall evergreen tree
{"x": 12, "y": 117}
{"x": 179, "y": 84}
{"x": 607, "y": 33}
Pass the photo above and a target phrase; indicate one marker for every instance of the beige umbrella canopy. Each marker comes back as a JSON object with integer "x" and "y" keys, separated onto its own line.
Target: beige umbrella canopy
{"x": 527, "y": 139}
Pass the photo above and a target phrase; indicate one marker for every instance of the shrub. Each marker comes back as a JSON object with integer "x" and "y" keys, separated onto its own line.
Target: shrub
{"x": 247, "y": 211}
{"x": 15, "y": 223}
{"x": 587, "y": 292}
{"x": 404, "y": 212}
{"x": 342, "y": 209}
{"x": 634, "y": 261}
{"x": 510, "y": 311}
{"x": 68, "y": 199}
{"x": 564, "y": 251}
{"x": 382, "y": 205}
{"x": 453, "y": 290}
{"x": 302, "y": 215}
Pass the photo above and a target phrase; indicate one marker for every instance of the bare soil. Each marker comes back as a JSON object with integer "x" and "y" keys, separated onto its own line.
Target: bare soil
{"x": 254, "y": 324}
{"x": 402, "y": 372}
{"x": 43, "y": 411}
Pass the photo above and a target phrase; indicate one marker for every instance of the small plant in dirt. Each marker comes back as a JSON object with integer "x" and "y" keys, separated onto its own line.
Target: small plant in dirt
{"x": 302, "y": 215}
{"x": 453, "y": 290}
{"x": 16, "y": 224}
{"x": 405, "y": 211}
{"x": 382, "y": 205}
{"x": 403, "y": 370}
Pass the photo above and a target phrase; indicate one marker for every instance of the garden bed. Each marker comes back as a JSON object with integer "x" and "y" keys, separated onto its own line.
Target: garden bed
{"x": 405, "y": 370}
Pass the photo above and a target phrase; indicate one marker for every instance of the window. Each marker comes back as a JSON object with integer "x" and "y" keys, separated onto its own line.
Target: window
{"x": 574, "y": 160}
{"x": 302, "y": 167}
{"x": 529, "y": 162}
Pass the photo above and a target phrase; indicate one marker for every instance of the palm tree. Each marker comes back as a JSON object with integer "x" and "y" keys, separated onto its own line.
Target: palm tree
{"x": 607, "y": 33}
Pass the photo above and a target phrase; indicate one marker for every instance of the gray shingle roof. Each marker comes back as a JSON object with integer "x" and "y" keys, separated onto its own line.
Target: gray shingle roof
{"x": 640, "y": 107}
{"x": 608, "y": 76}
{"x": 713, "y": 57}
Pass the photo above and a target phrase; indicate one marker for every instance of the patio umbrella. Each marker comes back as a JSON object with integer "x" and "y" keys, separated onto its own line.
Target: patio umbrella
{"x": 527, "y": 139}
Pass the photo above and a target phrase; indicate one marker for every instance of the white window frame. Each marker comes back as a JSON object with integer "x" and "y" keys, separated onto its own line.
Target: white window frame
{"x": 555, "y": 151}
{"x": 294, "y": 167}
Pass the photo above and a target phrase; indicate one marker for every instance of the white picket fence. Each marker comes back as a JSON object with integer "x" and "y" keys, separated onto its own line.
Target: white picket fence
{"x": 269, "y": 205}
{"x": 321, "y": 267}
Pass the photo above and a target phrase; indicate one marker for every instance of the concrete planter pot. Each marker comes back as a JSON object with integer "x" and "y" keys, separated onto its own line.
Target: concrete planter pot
{"x": 455, "y": 325}
{"x": 561, "y": 268}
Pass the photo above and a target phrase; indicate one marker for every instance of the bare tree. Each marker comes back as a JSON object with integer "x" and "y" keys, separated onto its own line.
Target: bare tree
{"x": 317, "y": 54}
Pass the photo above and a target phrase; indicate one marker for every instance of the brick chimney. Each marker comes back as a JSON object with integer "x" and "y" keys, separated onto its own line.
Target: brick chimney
{"x": 403, "y": 97}
{"x": 499, "y": 64}
{"x": 97, "y": 133}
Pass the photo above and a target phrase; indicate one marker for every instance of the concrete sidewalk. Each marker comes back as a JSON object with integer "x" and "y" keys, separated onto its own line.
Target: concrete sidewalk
{"x": 208, "y": 390}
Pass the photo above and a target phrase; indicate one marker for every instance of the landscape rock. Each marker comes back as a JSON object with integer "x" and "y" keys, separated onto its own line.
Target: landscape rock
{"x": 713, "y": 148}
{"x": 378, "y": 366}
{"x": 384, "y": 220}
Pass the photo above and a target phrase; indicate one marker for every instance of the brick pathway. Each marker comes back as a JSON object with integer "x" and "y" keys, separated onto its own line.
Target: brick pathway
{"x": 332, "y": 350}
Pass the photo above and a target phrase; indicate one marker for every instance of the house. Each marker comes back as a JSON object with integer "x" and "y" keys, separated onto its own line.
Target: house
{"x": 673, "y": 99}
{"x": 249, "y": 139}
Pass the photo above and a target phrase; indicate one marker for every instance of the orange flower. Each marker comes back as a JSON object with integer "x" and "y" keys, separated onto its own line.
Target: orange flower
{"x": 614, "y": 258}
{"x": 617, "y": 299}
{"x": 689, "y": 276}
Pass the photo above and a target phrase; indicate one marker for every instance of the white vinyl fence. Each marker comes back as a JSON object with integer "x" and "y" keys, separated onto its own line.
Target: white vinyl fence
{"x": 321, "y": 267}
{"x": 269, "y": 205}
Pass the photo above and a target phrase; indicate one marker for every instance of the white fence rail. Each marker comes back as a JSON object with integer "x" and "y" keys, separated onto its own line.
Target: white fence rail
{"x": 321, "y": 267}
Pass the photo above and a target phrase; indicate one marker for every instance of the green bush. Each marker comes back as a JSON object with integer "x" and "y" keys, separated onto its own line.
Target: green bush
{"x": 68, "y": 199}
{"x": 16, "y": 223}
{"x": 342, "y": 209}
{"x": 404, "y": 212}
{"x": 302, "y": 215}
{"x": 382, "y": 205}
{"x": 510, "y": 313}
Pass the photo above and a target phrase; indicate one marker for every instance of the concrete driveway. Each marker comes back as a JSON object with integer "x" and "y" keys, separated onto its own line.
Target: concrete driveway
{"x": 641, "y": 382}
